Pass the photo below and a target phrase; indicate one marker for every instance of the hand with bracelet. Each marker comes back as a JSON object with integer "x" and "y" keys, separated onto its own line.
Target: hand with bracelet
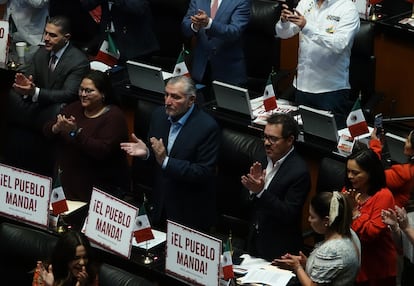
{"x": 64, "y": 124}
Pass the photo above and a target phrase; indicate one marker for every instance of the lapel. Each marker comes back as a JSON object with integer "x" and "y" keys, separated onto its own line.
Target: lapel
{"x": 59, "y": 67}
{"x": 222, "y": 8}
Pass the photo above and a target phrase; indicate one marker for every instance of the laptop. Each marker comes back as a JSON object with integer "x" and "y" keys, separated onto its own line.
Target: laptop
{"x": 147, "y": 77}
{"x": 395, "y": 145}
{"x": 320, "y": 123}
{"x": 232, "y": 98}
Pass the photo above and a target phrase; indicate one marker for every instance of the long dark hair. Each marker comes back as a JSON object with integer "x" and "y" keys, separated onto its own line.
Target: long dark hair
{"x": 65, "y": 251}
{"x": 368, "y": 161}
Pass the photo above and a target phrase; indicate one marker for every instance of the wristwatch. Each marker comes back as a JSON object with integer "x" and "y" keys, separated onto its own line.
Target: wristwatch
{"x": 75, "y": 132}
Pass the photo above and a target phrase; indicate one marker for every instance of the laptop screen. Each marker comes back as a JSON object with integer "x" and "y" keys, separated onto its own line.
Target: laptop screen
{"x": 147, "y": 77}
{"x": 233, "y": 98}
{"x": 395, "y": 145}
{"x": 319, "y": 123}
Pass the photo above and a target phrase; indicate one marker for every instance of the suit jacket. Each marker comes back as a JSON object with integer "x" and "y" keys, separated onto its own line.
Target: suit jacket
{"x": 134, "y": 36}
{"x": 276, "y": 215}
{"x": 56, "y": 88}
{"x": 184, "y": 191}
{"x": 222, "y": 44}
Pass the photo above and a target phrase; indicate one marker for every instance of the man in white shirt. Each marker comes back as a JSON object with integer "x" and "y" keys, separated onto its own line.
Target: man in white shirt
{"x": 29, "y": 19}
{"x": 326, "y": 33}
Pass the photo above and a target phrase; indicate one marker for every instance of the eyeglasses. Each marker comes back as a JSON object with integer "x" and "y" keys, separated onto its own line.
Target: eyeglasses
{"x": 87, "y": 91}
{"x": 271, "y": 139}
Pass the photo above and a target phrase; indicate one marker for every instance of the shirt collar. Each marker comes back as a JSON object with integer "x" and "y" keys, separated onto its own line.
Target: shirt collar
{"x": 183, "y": 118}
{"x": 59, "y": 53}
{"x": 281, "y": 160}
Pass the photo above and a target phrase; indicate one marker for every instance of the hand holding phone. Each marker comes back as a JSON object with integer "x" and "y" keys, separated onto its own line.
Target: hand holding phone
{"x": 378, "y": 125}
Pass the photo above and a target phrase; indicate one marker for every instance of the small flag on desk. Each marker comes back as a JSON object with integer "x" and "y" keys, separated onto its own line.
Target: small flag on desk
{"x": 180, "y": 67}
{"x": 108, "y": 53}
{"x": 269, "y": 97}
{"x": 58, "y": 201}
{"x": 356, "y": 121}
{"x": 227, "y": 262}
{"x": 142, "y": 228}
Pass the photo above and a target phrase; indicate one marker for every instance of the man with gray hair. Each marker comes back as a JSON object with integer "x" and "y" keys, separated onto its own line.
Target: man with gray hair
{"x": 184, "y": 143}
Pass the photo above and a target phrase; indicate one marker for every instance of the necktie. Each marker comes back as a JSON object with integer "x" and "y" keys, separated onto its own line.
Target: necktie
{"x": 52, "y": 62}
{"x": 214, "y": 8}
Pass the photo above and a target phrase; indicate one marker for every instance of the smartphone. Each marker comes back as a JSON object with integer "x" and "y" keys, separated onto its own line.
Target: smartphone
{"x": 378, "y": 125}
{"x": 290, "y": 3}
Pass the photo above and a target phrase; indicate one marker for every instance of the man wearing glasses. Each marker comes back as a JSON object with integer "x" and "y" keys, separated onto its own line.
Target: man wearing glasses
{"x": 278, "y": 188}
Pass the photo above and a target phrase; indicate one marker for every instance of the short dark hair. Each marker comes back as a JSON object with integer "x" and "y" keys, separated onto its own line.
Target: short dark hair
{"x": 102, "y": 82}
{"x": 289, "y": 124}
{"x": 368, "y": 161}
{"x": 62, "y": 22}
{"x": 321, "y": 204}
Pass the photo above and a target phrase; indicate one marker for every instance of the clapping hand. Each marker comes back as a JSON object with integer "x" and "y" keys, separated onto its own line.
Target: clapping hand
{"x": 255, "y": 180}
{"x": 24, "y": 85}
{"x": 135, "y": 148}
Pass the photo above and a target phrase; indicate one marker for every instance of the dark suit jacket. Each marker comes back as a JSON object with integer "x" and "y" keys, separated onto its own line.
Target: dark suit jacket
{"x": 184, "y": 191}
{"x": 132, "y": 19}
{"x": 277, "y": 214}
{"x": 222, "y": 44}
{"x": 57, "y": 87}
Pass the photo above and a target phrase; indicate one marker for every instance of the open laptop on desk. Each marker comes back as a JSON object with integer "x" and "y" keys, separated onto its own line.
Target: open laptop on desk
{"x": 319, "y": 123}
{"x": 395, "y": 145}
{"x": 147, "y": 77}
{"x": 232, "y": 99}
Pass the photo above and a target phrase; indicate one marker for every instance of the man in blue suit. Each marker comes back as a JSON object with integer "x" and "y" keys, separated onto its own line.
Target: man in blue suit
{"x": 218, "y": 52}
{"x": 184, "y": 143}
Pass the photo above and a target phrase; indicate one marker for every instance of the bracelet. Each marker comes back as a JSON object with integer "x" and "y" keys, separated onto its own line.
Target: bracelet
{"x": 75, "y": 132}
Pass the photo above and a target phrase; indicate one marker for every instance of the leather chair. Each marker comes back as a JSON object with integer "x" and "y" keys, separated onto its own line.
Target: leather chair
{"x": 331, "y": 175}
{"x": 362, "y": 69}
{"x": 110, "y": 275}
{"x": 20, "y": 248}
{"x": 261, "y": 47}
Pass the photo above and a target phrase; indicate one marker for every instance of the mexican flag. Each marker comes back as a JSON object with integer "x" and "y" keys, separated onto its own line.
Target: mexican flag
{"x": 180, "y": 67}
{"x": 227, "y": 262}
{"x": 108, "y": 52}
{"x": 356, "y": 121}
{"x": 58, "y": 201}
{"x": 142, "y": 228}
{"x": 269, "y": 97}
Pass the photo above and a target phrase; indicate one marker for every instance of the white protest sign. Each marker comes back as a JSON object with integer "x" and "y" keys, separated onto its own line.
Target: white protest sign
{"x": 4, "y": 40}
{"x": 110, "y": 222}
{"x": 24, "y": 195}
{"x": 191, "y": 255}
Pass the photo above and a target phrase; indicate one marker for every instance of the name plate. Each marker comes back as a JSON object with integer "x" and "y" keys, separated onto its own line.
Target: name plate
{"x": 110, "y": 222}
{"x": 4, "y": 41}
{"x": 192, "y": 256}
{"x": 24, "y": 195}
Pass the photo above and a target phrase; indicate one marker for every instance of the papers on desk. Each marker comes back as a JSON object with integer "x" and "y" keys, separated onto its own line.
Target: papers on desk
{"x": 260, "y": 271}
{"x": 159, "y": 237}
{"x": 261, "y": 115}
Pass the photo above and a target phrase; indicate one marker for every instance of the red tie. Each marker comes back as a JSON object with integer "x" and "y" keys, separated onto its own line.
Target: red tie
{"x": 214, "y": 7}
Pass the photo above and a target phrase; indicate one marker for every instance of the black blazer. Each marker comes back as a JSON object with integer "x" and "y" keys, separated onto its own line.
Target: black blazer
{"x": 276, "y": 216}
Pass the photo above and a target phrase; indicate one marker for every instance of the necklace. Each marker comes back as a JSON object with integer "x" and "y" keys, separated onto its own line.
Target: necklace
{"x": 99, "y": 113}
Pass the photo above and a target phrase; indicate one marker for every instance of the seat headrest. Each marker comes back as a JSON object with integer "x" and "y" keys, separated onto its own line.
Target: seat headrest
{"x": 264, "y": 16}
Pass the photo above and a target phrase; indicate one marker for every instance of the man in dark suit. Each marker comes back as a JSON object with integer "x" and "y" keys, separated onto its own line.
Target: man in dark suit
{"x": 130, "y": 25}
{"x": 184, "y": 141}
{"x": 277, "y": 192}
{"x": 218, "y": 52}
{"x": 39, "y": 90}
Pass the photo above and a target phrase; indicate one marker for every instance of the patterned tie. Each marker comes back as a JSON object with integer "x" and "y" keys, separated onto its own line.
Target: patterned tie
{"x": 214, "y": 8}
{"x": 52, "y": 62}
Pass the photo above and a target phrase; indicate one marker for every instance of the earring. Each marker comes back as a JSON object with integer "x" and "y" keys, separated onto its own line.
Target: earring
{"x": 103, "y": 98}
{"x": 326, "y": 225}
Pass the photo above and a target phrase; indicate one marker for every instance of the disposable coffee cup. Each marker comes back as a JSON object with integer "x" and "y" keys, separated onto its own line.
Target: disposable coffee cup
{"x": 21, "y": 48}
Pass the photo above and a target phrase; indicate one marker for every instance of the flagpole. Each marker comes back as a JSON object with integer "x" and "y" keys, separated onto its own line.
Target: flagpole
{"x": 147, "y": 259}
